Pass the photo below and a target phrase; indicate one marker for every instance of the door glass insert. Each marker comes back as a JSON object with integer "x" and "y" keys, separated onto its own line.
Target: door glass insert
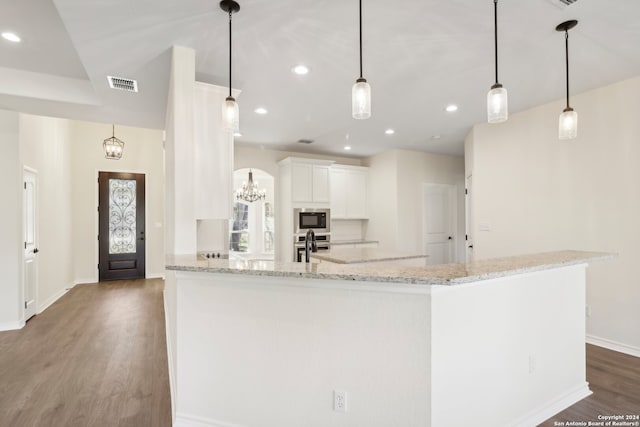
{"x": 122, "y": 216}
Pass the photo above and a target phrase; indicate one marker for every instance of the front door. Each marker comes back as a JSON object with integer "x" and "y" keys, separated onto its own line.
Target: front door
{"x": 30, "y": 233}
{"x": 121, "y": 224}
{"x": 439, "y": 222}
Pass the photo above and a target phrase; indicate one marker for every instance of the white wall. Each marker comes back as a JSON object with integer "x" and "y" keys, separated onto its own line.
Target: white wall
{"x": 143, "y": 153}
{"x": 10, "y": 222}
{"x": 46, "y": 146}
{"x": 383, "y": 199}
{"x": 397, "y": 181}
{"x": 538, "y": 193}
{"x": 267, "y": 160}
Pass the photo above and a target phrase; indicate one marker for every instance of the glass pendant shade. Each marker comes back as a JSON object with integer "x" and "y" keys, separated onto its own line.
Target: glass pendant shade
{"x": 230, "y": 115}
{"x": 568, "y": 124}
{"x": 497, "y": 106}
{"x": 361, "y": 100}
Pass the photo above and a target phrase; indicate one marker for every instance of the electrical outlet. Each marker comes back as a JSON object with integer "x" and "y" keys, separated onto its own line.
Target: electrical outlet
{"x": 339, "y": 401}
{"x": 532, "y": 364}
{"x": 587, "y": 310}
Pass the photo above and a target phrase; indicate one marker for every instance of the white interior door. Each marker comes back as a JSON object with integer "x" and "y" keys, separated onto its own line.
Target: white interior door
{"x": 439, "y": 220}
{"x": 30, "y": 233}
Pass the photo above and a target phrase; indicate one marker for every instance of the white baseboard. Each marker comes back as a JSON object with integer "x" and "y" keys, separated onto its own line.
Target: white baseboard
{"x": 46, "y": 304}
{"x": 172, "y": 373}
{"x": 614, "y": 345}
{"x": 185, "y": 420}
{"x": 91, "y": 280}
{"x": 554, "y": 406}
{"x": 155, "y": 276}
{"x": 11, "y": 326}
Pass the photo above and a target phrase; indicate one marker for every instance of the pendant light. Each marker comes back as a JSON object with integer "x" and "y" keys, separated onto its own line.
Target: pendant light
{"x": 230, "y": 111}
{"x": 497, "y": 108}
{"x": 568, "y": 123}
{"x": 113, "y": 147}
{"x": 361, "y": 91}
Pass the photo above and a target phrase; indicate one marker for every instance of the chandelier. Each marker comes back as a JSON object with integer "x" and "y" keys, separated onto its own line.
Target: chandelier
{"x": 113, "y": 147}
{"x": 249, "y": 191}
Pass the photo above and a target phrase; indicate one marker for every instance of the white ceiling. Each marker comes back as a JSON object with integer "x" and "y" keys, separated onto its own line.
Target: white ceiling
{"x": 419, "y": 56}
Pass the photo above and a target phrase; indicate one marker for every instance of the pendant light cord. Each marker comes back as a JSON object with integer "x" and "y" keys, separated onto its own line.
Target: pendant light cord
{"x": 360, "y": 13}
{"x": 230, "y": 53}
{"x": 495, "y": 32}
{"x": 566, "y": 42}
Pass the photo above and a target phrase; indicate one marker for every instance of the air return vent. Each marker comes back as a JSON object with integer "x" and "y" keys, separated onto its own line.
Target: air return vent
{"x": 305, "y": 141}
{"x": 120, "y": 83}
{"x": 568, "y": 2}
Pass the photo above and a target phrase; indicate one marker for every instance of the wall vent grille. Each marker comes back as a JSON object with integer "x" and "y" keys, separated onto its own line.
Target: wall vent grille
{"x": 120, "y": 83}
{"x": 568, "y": 2}
{"x": 305, "y": 141}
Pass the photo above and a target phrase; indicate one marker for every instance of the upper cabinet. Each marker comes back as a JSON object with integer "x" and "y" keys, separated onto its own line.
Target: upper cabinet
{"x": 349, "y": 192}
{"x": 308, "y": 180}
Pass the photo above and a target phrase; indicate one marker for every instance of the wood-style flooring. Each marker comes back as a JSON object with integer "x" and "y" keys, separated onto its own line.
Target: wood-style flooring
{"x": 614, "y": 379}
{"x": 97, "y": 357}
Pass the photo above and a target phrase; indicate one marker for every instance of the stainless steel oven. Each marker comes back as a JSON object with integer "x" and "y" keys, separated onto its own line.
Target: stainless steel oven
{"x": 318, "y": 220}
{"x": 323, "y": 243}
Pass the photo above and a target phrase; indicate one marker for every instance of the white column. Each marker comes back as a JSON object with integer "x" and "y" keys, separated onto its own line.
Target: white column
{"x": 10, "y": 223}
{"x": 180, "y": 234}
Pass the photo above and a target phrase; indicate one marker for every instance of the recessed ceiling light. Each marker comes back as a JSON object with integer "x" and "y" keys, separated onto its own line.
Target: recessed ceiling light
{"x": 451, "y": 108}
{"x": 347, "y": 147}
{"x": 260, "y": 110}
{"x": 300, "y": 69}
{"x": 11, "y": 37}
{"x": 237, "y": 134}
{"x": 389, "y": 131}
{"x": 435, "y": 137}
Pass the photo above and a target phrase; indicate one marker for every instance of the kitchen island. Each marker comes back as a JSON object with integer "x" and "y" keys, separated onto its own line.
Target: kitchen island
{"x": 492, "y": 343}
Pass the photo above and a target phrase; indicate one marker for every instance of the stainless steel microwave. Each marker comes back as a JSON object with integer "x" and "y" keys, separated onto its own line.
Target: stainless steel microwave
{"x": 318, "y": 220}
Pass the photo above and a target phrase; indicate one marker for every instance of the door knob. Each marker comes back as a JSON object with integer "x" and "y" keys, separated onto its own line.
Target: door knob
{"x": 470, "y": 246}
{"x": 450, "y": 238}
{"x": 35, "y": 251}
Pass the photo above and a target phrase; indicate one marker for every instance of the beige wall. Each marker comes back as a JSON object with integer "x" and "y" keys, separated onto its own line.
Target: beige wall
{"x": 46, "y": 147}
{"x": 538, "y": 193}
{"x": 143, "y": 153}
{"x": 383, "y": 199}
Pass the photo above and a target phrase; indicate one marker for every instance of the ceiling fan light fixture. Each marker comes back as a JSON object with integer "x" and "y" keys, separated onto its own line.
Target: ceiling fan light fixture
{"x": 361, "y": 91}
{"x": 230, "y": 109}
{"x": 497, "y": 100}
{"x": 568, "y": 122}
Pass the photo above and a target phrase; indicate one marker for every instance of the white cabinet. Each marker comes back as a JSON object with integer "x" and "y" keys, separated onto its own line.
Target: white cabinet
{"x": 310, "y": 182}
{"x": 349, "y": 192}
{"x": 303, "y": 183}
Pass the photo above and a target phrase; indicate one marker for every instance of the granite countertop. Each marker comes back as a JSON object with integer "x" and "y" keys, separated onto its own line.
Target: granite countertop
{"x": 352, "y": 242}
{"x": 362, "y": 255}
{"x": 445, "y": 274}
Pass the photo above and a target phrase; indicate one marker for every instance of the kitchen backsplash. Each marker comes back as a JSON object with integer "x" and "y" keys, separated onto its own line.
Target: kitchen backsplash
{"x": 347, "y": 230}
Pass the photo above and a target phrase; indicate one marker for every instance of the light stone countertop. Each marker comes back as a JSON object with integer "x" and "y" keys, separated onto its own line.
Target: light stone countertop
{"x": 352, "y": 242}
{"x": 444, "y": 274}
{"x": 362, "y": 255}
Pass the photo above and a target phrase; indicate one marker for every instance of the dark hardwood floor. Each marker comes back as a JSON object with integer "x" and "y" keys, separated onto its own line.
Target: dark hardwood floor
{"x": 97, "y": 357}
{"x": 614, "y": 379}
